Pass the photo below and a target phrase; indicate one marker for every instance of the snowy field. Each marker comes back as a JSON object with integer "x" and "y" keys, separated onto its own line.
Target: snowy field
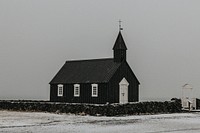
{"x": 25, "y": 122}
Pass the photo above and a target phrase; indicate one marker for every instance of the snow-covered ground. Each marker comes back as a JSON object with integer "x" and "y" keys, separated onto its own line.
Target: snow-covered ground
{"x": 38, "y": 122}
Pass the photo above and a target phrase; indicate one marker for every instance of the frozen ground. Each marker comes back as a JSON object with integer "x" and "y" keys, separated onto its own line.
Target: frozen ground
{"x": 65, "y": 123}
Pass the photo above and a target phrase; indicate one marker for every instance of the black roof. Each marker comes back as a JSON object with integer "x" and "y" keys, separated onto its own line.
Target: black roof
{"x": 119, "y": 43}
{"x": 86, "y": 71}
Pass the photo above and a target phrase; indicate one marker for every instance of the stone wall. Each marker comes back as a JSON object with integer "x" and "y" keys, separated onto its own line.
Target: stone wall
{"x": 173, "y": 106}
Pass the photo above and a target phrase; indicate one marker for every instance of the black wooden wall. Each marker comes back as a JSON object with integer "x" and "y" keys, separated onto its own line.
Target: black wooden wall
{"x": 85, "y": 94}
{"x": 119, "y": 55}
{"x": 107, "y": 92}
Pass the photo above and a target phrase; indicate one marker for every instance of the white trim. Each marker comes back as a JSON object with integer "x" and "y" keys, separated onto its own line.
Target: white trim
{"x": 60, "y": 90}
{"x": 94, "y": 90}
{"x": 124, "y": 82}
{"x": 76, "y": 90}
{"x": 123, "y": 91}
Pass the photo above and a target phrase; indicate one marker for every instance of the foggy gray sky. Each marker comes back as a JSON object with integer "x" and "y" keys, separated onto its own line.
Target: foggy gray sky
{"x": 38, "y": 36}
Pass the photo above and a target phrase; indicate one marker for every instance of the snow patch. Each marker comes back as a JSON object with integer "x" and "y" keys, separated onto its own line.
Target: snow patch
{"x": 12, "y": 121}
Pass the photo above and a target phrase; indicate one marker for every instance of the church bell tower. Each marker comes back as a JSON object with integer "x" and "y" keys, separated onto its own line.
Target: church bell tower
{"x": 119, "y": 49}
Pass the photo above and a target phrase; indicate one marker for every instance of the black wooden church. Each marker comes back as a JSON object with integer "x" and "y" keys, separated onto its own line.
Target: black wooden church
{"x": 98, "y": 81}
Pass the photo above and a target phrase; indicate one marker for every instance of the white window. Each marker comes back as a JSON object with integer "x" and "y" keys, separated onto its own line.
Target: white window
{"x": 76, "y": 90}
{"x": 94, "y": 90}
{"x": 60, "y": 90}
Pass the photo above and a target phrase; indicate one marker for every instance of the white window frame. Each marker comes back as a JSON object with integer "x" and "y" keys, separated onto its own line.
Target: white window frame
{"x": 60, "y": 90}
{"x": 94, "y": 86}
{"x": 76, "y": 89}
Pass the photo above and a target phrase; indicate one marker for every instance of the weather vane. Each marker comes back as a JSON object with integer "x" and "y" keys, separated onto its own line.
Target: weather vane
{"x": 120, "y": 26}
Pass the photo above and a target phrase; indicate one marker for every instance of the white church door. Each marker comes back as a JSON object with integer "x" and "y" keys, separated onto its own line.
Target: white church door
{"x": 123, "y": 91}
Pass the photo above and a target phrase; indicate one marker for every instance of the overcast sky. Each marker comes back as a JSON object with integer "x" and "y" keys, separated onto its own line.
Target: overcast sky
{"x": 38, "y": 36}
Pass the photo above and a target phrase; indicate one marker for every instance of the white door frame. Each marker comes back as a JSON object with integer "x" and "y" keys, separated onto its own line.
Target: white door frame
{"x": 123, "y": 91}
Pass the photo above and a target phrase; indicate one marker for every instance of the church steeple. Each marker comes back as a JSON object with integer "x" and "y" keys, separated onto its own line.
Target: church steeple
{"x": 119, "y": 49}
